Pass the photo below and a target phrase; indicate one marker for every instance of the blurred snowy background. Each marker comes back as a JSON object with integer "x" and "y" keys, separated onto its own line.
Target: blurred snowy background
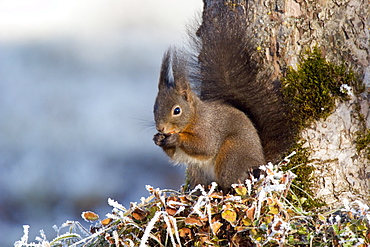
{"x": 77, "y": 84}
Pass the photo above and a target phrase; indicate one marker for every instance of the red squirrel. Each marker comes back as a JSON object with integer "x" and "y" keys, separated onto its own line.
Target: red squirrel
{"x": 235, "y": 121}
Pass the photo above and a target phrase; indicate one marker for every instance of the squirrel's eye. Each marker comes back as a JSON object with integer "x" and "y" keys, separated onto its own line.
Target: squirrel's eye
{"x": 176, "y": 110}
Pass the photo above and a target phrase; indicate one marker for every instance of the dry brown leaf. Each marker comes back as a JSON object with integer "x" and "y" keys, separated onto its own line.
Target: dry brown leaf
{"x": 216, "y": 226}
{"x": 250, "y": 212}
{"x": 229, "y": 215}
{"x": 193, "y": 220}
{"x": 185, "y": 232}
{"x": 171, "y": 211}
{"x": 139, "y": 214}
{"x": 241, "y": 190}
{"x": 90, "y": 216}
{"x": 106, "y": 221}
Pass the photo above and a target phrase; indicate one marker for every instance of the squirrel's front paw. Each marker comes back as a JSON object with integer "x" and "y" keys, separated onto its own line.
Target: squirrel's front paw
{"x": 158, "y": 138}
{"x": 165, "y": 140}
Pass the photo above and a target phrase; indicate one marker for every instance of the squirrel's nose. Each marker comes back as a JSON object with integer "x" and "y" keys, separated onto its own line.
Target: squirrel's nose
{"x": 160, "y": 129}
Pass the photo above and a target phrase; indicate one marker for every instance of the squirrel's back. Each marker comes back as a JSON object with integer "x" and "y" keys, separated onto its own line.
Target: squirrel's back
{"x": 230, "y": 71}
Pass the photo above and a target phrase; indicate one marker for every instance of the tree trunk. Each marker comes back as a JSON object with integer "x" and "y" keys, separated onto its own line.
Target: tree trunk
{"x": 341, "y": 29}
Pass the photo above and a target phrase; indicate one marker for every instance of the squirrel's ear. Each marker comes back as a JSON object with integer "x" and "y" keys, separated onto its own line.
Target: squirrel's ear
{"x": 173, "y": 74}
{"x": 181, "y": 83}
{"x": 183, "y": 88}
{"x": 165, "y": 79}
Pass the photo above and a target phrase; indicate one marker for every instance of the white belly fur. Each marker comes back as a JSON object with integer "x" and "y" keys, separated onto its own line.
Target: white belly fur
{"x": 207, "y": 166}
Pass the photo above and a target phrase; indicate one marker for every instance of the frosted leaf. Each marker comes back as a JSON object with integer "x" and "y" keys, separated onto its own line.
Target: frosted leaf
{"x": 181, "y": 209}
{"x": 67, "y": 223}
{"x": 149, "y": 188}
{"x": 209, "y": 212}
{"x": 262, "y": 195}
{"x": 278, "y": 227}
{"x": 234, "y": 199}
{"x": 82, "y": 229}
{"x": 236, "y": 185}
{"x": 213, "y": 187}
{"x": 277, "y": 187}
{"x": 65, "y": 236}
{"x": 200, "y": 188}
{"x": 149, "y": 227}
{"x": 115, "y": 204}
{"x": 42, "y": 239}
{"x": 249, "y": 186}
{"x": 175, "y": 203}
{"x": 181, "y": 206}
{"x": 26, "y": 229}
{"x": 197, "y": 207}
{"x": 169, "y": 224}
{"x": 142, "y": 200}
{"x": 24, "y": 239}
{"x": 132, "y": 244}
{"x": 163, "y": 199}
{"x": 89, "y": 216}
{"x": 176, "y": 230}
{"x": 116, "y": 238}
{"x": 261, "y": 198}
{"x": 263, "y": 167}
{"x": 42, "y": 234}
{"x": 156, "y": 192}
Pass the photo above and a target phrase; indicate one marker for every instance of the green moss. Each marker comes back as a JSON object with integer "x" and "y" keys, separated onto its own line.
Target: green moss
{"x": 302, "y": 185}
{"x": 363, "y": 134}
{"x": 311, "y": 90}
{"x": 363, "y": 142}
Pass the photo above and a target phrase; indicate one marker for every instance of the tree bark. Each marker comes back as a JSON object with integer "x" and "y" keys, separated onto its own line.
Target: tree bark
{"x": 341, "y": 29}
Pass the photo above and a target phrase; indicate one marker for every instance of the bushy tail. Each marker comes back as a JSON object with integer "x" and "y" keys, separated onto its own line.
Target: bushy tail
{"x": 230, "y": 72}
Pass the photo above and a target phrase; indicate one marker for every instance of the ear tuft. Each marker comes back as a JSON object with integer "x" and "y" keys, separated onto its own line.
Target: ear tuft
{"x": 179, "y": 69}
{"x": 166, "y": 79}
{"x": 173, "y": 73}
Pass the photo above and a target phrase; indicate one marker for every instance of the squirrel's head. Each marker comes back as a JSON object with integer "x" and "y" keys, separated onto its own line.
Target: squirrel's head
{"x": 174, "y": 105}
